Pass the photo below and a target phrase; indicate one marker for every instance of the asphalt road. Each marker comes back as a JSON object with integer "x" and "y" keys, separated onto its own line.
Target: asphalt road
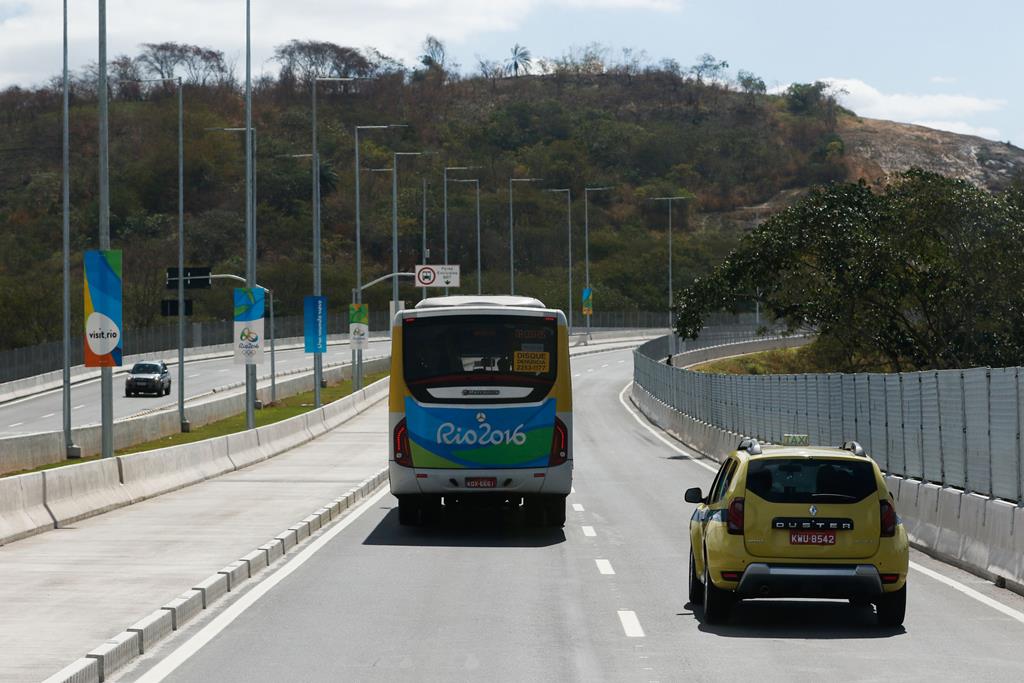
{"x": 43, "y": 412}
{"x": 484, "y": 598}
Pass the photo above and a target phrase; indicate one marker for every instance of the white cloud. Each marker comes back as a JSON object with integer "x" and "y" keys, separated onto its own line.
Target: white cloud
{"x": 962, "y": 127}
{"x": 30, "y": 30}
{"x": 943, "y": 80}
{"x": 871, "y": 102}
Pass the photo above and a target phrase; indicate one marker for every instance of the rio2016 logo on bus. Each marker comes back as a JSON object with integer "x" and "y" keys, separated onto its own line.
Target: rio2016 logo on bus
{"x": 483, "y": 435}
{"x": 448, "y": 437}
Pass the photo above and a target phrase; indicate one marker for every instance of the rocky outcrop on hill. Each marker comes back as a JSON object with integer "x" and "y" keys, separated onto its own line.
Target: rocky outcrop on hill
{"x": 874, "y": 149}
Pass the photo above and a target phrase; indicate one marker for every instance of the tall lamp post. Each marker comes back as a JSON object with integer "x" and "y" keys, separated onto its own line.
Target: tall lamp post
{"x": 185, "y": 426}
{"x": 671, "y": 334}
{"x": 479, "y": 271}
{"x": 318, "y": 361}
{"x": 106, "y": 375}
{"x": 70, "y": 449}
{"x": 586, "y": 238}
{"x": 357, "y": 356}
{"x": 424, "y": 253}
{"x": 568, "y": 221}
{"x": 511, "y": 233}
{"x": 445, "y": 194}
{"x": 394, "y": 222}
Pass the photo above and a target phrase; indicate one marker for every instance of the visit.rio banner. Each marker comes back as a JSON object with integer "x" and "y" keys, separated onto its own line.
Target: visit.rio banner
{"x": 248, "y": 339}
{"x": 492, "y": 437}
{"x": 104, "y": 345}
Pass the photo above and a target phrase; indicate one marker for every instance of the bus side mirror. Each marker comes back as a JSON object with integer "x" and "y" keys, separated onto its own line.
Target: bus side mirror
{"x": 693, "y": 496}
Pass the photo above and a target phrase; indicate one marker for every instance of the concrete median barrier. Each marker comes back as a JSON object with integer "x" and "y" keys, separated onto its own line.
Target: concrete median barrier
{"x": 79, "y": 491}
{"x": 244, "y": 449}
{"x": 22, "y": 508}
{"x": 155, "y": 472}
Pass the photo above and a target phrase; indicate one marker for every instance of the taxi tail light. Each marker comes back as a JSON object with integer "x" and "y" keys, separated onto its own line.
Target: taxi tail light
{"x": 403, "y": 454}
{"x": 559, "y": 445}
{"x": 890, "y": 578}
{"x": 734, "y": 517}
{"x": 888, "y": 518}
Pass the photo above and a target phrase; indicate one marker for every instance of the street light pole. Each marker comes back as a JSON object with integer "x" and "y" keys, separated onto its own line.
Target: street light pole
{"x": 671, "y": 333}
{"x": 106, "y": 375}
{"x": 511, "y": 233}
{"x": 317, "y": 290}
{"x": 586, "y": 239}
{"x": 70, "y": 449}
{"x": 445, "y": 194}
{"x": 394, "y": 223}
{"x": 479, "y": 280}
{"x": 423, "y": 290}
{"x": 568, "y": 206}
{"x": 182, "y": 420}
{"x": 250, "y": 227}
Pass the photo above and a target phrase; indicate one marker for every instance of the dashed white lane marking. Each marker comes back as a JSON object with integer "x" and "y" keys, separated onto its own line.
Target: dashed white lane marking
{"x": 223, "y": 370}
{"x": 589, "y": 531}
{"x": 577, "y": 374}
{"x": 630, "y": 624}
{"x": 605, "y": 365}
{"x": 605, "y": 567}
{"x": 577, "y": 507}
{"x": 970, "y": 592}
{"x": 643, "y": 423}
{"x": 590, "y": 370}
{"x": 621, "y": 361}
{"x": 78, "y": 407}
{"x": 16, "y": 424}
{"x": 193, "y": 376}
{"x": 47, "y": 415}
{"x": 221, "y": 621}
{"x": 572, "y": 489}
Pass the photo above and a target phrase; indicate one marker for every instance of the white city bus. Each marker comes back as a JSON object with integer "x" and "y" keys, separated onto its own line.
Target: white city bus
{"x": 480, "y": 407}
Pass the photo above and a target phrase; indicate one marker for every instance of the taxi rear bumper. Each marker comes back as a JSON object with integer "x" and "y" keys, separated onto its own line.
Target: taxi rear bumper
{"x": 762, "y": 580}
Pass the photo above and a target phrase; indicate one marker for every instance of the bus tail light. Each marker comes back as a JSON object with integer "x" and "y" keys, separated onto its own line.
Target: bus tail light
{"x": 403, "y": 454}
{"x": 559, "y": 445}
{"x": 888, "y": 519}
{"x": 734, "y": 518}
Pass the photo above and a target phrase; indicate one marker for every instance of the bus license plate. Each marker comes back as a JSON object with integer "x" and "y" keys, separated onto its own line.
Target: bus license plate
{"x": 812, "y": 538}
{"x": 481, "y": 482}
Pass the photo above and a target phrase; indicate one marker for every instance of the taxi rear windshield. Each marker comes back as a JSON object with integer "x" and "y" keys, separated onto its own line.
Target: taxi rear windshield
{"x": 480, "y": 349}
{"x": 801, "y": 480}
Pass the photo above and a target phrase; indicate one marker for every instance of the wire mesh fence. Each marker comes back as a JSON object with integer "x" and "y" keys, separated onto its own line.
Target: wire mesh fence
{"x": 957, "y": 428}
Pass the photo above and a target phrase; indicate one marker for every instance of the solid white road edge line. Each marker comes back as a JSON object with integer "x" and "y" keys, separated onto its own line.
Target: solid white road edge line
{"x": 605, "y": 567}
{"x": 969, "y": 592}
{"x": 224, "y": 619}
{"x": 646, "y": 425}
{"x": 630, "y": 624}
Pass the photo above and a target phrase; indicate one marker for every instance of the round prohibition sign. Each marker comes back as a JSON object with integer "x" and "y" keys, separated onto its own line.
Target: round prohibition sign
{"x": 425, "y": 276}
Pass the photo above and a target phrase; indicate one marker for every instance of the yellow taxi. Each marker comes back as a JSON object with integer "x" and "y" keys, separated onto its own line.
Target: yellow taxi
{"x": 795, "y": 521}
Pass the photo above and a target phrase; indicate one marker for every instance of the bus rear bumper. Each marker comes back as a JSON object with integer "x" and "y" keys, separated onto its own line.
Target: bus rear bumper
{"x": 543, "y": 480}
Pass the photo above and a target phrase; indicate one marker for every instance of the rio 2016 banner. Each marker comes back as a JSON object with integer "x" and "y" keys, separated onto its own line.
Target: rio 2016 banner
{"x": 493, "y": 437}
{"x": 249, "y": 342}
{"x": 104, "y": 343}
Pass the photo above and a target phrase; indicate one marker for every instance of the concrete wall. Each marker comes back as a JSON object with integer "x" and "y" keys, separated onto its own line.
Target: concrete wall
{"x": 35, "y": 450}
{"x": 977, "y": 533}
{"x": 36, "y": 502}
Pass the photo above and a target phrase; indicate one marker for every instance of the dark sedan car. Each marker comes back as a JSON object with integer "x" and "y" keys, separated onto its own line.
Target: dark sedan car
{"x": 150, "y": 377}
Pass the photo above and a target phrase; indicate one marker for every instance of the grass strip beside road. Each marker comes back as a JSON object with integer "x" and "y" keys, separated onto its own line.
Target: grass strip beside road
{"x": 269, "y": 414}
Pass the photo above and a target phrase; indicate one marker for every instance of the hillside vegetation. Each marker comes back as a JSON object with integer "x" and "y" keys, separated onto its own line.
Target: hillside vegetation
{"x": 581, "y": 120}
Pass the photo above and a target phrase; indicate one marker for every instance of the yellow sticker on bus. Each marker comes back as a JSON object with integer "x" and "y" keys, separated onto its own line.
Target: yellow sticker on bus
{"x": 531, "y": 361}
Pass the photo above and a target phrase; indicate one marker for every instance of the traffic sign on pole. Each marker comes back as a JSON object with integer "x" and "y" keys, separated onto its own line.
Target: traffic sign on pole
{"x": 437, "y": 275}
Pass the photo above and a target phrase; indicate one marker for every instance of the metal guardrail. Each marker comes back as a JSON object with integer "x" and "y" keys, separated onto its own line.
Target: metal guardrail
{"x": 958, "y": 428}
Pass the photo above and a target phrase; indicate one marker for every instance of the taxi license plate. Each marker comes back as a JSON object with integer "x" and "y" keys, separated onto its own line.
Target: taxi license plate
{"x": 481, "y": 482}
{"x": 812, "y": 538}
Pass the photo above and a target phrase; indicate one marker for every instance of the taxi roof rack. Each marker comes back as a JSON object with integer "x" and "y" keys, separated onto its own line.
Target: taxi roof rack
{"x": 751, "y": 446}
{"x": 854, "y": 448}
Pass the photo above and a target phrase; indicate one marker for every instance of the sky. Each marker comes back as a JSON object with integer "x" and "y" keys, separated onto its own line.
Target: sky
{"x": 946, "y": 64}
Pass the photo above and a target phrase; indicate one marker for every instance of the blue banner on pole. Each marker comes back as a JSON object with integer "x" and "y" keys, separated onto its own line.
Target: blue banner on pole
{"x": 315, "y": 319}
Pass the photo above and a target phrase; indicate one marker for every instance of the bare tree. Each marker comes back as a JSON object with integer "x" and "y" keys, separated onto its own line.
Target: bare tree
{"x": 159, "y": 60}
{"x": 709, "y": 69}
{"x": 305, "y": 60}
{"x": 435, "y": 54}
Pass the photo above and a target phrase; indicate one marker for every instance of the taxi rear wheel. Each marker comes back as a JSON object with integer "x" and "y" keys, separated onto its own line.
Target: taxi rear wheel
{"x": 717, "y": 602}
{"x": 891, "y": 608}
{"x": 696, "y": 585}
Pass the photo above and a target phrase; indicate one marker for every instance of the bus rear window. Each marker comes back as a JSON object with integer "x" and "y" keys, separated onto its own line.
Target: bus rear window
{"x": 471, "y": 349}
